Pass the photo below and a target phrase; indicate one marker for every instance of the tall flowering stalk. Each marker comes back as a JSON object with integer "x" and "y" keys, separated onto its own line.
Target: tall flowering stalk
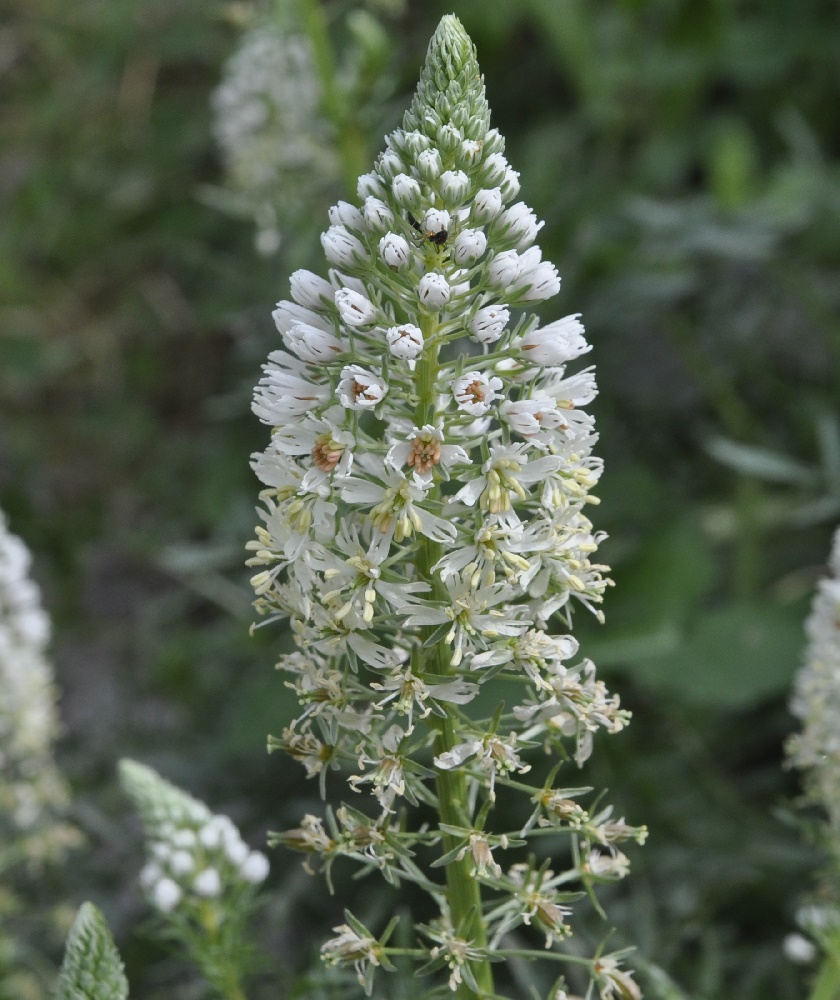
{"x": 816, "y": 750}
{"x": 424, "y": 519}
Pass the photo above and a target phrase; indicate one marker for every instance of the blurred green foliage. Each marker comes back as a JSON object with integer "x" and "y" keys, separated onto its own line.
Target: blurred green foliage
{"x": 685, "y": 157}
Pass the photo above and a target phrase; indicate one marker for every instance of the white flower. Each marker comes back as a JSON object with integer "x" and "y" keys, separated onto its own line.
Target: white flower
{"x": 487, "y": 204}
{"x": 433, "y": 290}
{"x": 405, "y": 341}
{"x": 493, "y": 756}
{"x": 530, "y": 417}
{"x": 435, "y": 220}
{"x": 208, "y": 883}
{"x": 537, "y": 280}
{"x": 474, "y": 392}
{"x": 470, "y": 151}
{"x": 510, "y": 183}
{"x": 454, "y": 185}
{"x": 342, "y": 248}
{"x": 424, "y": 451}
{"x": 469, "y": 245}
{"x": 345, "y": 214}
{"x": 555, "y": 344}
{"x": 503, "y": 476}
{"x": 236, "y": 850}
{"x": 489, "y": 323}
{"x": 504, "y": 269}
{"x": 310, "y": 290}
{"x": 354, "y": 309}
{"x": 313, "y": 344}
{"x": 166, "y": 895}
{"x": 351, "y": 948}
{"x": 799, "y": 949}
{"x": 519, "y": 223}
{"x": 396, "y": 511}
{"x": 283, "y": 394}
{"x": 406, "y": 191}
{"x": 254, "y": 868}
{"x": 473, "y": 615}
{"x": 360, "y": 389}
{"x": 377, "y": 214}
{"x": 181, "y": 863}
{"x": 370, "y": 184}
{"x": 395, "y": 251}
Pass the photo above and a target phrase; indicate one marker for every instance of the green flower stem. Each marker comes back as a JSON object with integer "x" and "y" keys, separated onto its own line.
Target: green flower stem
{"x": 350, "y": 138}
{"x": 463, "y": 891}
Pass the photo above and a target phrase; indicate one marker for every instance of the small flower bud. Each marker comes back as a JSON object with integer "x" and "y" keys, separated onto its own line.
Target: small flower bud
{"x": 470, "y": 152}
{"x": 254, "y": 868}
{"x": 469, "y": 245}
{"x": 487, "y": 204}
{"x": 310, "y": 290}
{"x": 345, "y": 214}
{"x": 414, "y": 143}
{"x": 433, "y": 290}
{"x": 454, "y": 185}
{"x": 406, "y": 191}
{"x": 354, "y": 309}
{"x": 166, "y": 895}
{"x": 518, "y": 225}
{"x": 556, "y": 343}
{"x": 389, "y": 165}
{"x": 449, "y": 138}
{"x": 370, "y": 184}
{"x": 489, "y": 323}
{"x": 510, "y": 184}
{"x": 504, "y": 269}
{"x": 538, "y": 282}
{"x": 208, "y": 883}
{"x": 493, "y": 170}
{"x": 395, "y": 251}
{"x": 360, "y": 389}
{"x": 342, "y": 248}
{"x": 429, "y": 164}
{"x": 377, "y": 215}
{"x": 494, "y": 142}
{"x": 405, "y": 342}
{"x": 435, "y": 220}
{"x": 313, "y": 344}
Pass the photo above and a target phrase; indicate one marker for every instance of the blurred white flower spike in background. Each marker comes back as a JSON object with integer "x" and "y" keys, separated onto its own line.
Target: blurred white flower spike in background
{"x": 420, "y": 578}
{"x": 29, "y": 782}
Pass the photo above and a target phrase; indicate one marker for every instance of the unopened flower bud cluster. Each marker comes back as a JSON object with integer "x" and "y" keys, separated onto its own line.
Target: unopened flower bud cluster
{"x": 29, "y": 781}
{"x": 426, "y": 486}
{"x": 193, "y": 854}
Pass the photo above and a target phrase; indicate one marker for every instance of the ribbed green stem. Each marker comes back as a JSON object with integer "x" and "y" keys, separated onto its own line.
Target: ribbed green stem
{"x": 463, "y": 890}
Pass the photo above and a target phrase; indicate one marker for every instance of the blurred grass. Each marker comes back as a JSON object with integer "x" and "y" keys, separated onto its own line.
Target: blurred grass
{"x": 685, "y": 157}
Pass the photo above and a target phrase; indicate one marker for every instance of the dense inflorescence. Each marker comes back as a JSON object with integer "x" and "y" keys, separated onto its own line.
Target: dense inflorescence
{"x": 816, "y": 751}
{"x": 92, "y": 968}
{"x": 275, "y": 143}
{"x": 425, "y": 519}
{"x": 30, "y": 786}
{"x": 194, "y": 855}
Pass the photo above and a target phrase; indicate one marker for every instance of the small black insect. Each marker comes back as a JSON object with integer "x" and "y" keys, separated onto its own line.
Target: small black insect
{"x": 437, "y": 239}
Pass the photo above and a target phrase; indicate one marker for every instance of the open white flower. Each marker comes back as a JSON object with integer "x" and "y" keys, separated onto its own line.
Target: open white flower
{"x": 360, "y": 389}
{"x": 424, "y": 451}
{"x": 474, "y": 392}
